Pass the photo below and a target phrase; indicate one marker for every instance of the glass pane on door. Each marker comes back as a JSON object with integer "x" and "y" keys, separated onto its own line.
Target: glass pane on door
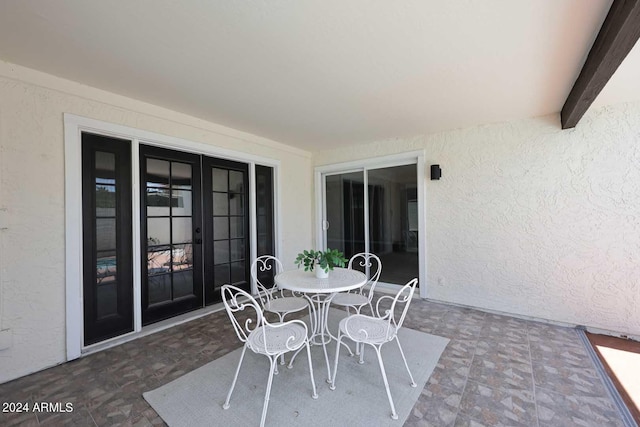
{"x": 344, "y": 200}
{"x": 169, "y": 230}
{"x": 228, "y": 202}
{"x": 393, "y": 225}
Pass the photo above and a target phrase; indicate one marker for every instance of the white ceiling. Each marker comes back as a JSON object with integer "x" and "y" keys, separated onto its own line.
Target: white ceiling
{"x": 320, "y": 73}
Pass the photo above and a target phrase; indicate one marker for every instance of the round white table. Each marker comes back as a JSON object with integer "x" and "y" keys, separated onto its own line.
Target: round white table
{"x": 319, "y": 292}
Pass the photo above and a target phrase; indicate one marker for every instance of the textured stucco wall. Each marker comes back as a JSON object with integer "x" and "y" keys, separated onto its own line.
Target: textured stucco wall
{"x": 32, "y": 251}
{"x": 534, "y": 220}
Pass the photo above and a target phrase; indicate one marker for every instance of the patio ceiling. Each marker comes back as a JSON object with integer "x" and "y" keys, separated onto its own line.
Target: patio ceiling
{"x": 320, "y": 74}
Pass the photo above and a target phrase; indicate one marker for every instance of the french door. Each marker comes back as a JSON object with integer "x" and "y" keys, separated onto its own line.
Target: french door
{"x": 160, "y": 230}
{"x": 226, "y": 226}
{"x": 171, "y": 228}
{"x": 194, "y": 230}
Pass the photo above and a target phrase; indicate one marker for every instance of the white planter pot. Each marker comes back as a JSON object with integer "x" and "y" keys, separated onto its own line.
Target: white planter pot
{"x": 320, "y": 273}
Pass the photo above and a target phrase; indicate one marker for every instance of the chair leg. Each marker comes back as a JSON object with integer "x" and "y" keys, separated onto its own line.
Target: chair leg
{"x": 406, "y": 365}
{"x": 313, "y": 381}
{"x": 310, "y": 319}
{"x": 359, "y": 346}
{"x": 290, "y": 365}
{"x": 281, "y": 315}
{"x": 343, "y": 343}
{"x": 348, "y": 349}
{"x": 233, "y": 383}
{"x": 335, "y": 363}
{"x": 326, "y": 357}
{"x": 273, "y": 363}
{"x": 394, "y": 415}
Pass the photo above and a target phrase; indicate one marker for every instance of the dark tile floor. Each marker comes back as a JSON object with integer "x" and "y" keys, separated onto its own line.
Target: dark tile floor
{"x": 496, "y": 371}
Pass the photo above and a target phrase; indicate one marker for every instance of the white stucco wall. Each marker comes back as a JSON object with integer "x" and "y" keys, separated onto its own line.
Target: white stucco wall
{"x": 32, "y": 239}
{"x": 533, "y": 220}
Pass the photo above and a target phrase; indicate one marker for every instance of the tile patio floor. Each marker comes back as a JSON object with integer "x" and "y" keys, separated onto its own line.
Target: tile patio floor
{"x": 496, "y": 371}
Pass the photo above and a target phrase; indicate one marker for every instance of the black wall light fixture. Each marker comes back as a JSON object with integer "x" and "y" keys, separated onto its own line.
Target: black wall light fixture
{"x": 436, "y": 172}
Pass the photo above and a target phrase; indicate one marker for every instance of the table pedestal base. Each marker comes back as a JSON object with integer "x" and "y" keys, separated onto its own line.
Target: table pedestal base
{"x": 320, "y": 333}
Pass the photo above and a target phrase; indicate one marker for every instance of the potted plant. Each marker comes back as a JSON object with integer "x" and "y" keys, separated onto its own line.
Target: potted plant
{"x": 321, "y": 261}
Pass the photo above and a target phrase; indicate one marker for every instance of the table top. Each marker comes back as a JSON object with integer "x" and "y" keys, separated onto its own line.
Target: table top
{"x": 339, "y": 280}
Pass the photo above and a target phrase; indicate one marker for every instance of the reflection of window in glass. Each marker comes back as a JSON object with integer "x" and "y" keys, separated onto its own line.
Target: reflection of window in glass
{"x": 412, "y": 214}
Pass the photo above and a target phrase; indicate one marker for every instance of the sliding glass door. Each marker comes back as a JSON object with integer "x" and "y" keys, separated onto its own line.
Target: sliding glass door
{"x": 375, "y": 210}
{"x": 393, "y": 226}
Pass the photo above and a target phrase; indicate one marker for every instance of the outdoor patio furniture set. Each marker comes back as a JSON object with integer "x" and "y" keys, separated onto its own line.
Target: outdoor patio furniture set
{"x": 296, "y": 290}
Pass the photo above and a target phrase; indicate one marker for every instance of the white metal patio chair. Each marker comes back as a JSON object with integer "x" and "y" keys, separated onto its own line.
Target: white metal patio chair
{"x": 262, "y": 337}
{"x": 377, "y": 331}
{"x": 371, "y": 265}
{"x": 274, "y": 299}
{"x": 358, "y": 298}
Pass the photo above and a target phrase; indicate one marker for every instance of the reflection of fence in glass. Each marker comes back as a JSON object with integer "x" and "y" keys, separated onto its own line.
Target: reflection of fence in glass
{"x": 160, "y": 198}
{"x": 164, "y": 259}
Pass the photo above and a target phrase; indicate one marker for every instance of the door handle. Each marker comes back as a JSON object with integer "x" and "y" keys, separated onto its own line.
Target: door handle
{"x": 198, "y": 241}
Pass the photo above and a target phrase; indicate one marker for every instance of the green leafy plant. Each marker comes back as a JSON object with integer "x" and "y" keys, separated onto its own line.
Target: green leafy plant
{"x": 326, "y": 260}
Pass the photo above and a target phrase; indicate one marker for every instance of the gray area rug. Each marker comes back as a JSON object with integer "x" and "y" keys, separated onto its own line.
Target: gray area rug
{"x": 196, "y": 398}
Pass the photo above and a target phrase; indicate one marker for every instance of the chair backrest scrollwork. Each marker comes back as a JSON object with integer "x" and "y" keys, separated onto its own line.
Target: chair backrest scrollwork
{"x": 404, "y": 296}
{"x": 263, "y": 264}
{"x": 369, "y": 264}
{"x": 243, "y": 310}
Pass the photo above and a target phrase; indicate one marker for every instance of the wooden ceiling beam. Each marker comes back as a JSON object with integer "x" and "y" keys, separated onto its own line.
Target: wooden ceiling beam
{"x": 617, "y": 36}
